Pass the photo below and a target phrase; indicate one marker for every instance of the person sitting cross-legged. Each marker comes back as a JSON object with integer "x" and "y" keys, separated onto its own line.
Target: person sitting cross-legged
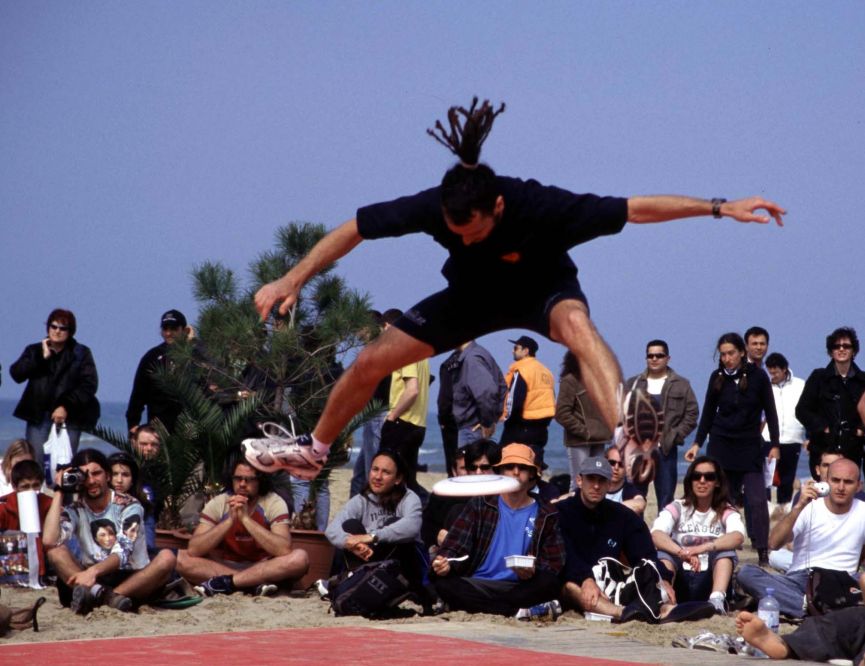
{"x": 489, "y": 529}
{"x": 116, "y": 571}
{"x": 696, "y": 536}
{"x": 243, "y": 541}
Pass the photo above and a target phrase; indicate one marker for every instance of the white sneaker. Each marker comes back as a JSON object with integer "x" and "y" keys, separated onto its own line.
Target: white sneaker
{"x": 322, "y": 588}
{"x": 280, "y": 449}
{"x": 548, "y": 611}
{"x": 718, "y": 600}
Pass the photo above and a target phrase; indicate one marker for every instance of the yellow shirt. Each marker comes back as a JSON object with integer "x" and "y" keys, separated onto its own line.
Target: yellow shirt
{"x": 416, "y": 414}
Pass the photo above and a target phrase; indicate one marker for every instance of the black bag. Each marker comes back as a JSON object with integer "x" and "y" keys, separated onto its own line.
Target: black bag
{"x": 370, "y": 589}
{"x": 828, "y": 590}
{"x": 623, "y": 584}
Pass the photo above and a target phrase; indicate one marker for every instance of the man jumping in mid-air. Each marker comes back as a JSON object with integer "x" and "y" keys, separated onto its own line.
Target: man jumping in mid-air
{"x": 508, "y": 241}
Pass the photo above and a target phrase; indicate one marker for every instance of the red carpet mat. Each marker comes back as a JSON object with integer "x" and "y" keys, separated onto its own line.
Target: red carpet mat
{"x": 348, "y": 645}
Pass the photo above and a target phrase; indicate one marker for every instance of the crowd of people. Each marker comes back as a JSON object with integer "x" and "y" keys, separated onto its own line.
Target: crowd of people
{"x": 581, "y": 541}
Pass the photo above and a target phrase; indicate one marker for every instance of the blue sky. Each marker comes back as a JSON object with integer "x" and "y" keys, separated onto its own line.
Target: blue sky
{"x": 138, "y": 139}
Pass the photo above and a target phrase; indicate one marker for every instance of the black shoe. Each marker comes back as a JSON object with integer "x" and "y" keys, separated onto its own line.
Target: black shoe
{"x": 763, "y": 557}
{"x": 118, "y": 602}
{"x": 216, "y": 585}
{"x": 688, "y": 611}
{"x": 635, "y": 611}
{"x": 83, "y": 600}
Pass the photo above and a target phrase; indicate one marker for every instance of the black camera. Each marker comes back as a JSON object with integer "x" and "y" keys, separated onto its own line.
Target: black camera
{"x": 72, "y": 479}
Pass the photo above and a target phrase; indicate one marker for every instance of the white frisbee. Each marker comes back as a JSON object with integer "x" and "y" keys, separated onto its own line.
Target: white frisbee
{"x": 472, "y": 485}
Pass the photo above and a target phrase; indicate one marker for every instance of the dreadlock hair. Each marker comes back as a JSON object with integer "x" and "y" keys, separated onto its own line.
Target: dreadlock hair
{"x": 469, "y": 185}
{"x": 736, "y": 340}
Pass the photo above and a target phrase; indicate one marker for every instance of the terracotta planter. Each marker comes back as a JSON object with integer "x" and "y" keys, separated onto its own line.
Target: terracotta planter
{"x": 315, "y": 544}
{"x": 320, "y": 553}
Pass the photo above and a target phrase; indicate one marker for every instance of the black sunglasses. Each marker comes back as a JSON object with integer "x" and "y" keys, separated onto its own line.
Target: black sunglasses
{"x": 705, "y": 476}
{"x": 475, "y": 468}
{"x": 842, "y": 345}
{"x": 58, "y": 327}
{"x": 522, "y": 468}
{"x": 615, "y": 463}
{"x": 653, "y": 357}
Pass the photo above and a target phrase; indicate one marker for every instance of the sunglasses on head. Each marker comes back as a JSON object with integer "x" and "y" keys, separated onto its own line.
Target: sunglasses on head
{"x": 705, "y": 476}
{"x": 474, "y": 468}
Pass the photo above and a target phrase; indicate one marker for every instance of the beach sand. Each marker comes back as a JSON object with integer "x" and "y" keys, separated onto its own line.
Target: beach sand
{"x": 240, "y": 612}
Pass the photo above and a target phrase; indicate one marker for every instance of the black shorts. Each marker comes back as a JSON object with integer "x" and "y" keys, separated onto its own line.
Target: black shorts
{"x": 456, "y": 315}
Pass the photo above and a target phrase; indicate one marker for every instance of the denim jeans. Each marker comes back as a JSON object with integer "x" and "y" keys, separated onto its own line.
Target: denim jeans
{"x": 666, "y": 476}
{"x": 789, "y": 588}
{"x": 300, "y": 493}
{"x": 468, "y": 435}
{"x": 697, "y": 585}
{"x": 370, "y": 443}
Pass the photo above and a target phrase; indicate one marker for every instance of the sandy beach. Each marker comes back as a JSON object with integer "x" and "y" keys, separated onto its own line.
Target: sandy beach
{"x": 240, "y": 612}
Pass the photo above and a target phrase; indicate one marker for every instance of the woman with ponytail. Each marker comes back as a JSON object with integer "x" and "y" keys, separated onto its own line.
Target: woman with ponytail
{"x": 508, "y": 267}
{"x": 738, "y": 396}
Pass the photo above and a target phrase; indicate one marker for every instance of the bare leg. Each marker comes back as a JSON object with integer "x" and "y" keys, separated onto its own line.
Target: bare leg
{"x": 570, "y": 325}
{"x": 756, "y": 633}
{"x": 721, "y": 574}
{"x": 603, "y": 605}
{"x": 199, "y": 569}
{"x": 392, "y": 350}
{"x": 63, "y": 562}
{"x": 146, "y": 581}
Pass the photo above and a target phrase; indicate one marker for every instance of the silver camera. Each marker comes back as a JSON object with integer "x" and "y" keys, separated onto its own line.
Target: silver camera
{"x": 822, "y": 488}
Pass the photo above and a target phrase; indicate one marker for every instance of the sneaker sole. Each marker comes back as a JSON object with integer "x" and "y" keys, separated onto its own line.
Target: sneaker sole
{"x": 294, "y": 462}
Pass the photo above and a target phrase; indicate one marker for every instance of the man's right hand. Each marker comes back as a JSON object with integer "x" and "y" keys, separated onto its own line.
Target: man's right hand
{"x": 807, "y": 494}
{"x": 691, "y": 453}
{"x": 590, "y": 593}
{"x": 441, "y": 566}
{"x": 284, "y": 289}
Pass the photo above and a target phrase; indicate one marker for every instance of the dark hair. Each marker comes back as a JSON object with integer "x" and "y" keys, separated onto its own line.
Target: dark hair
{"x": 129, "y": 521}
{"x": 757, "y": 330}
{"x": 838, "y": 334}
{"x": 480, "y": 448}
{"x": 86, "y": 456}
{"x": 148, "y": 429}
{"x": 468, "y": 186}
{"x": 264, "y": 483}
{"x": 27, "y": 469}
{"x": 123, "y": 458}
{"x": 570, "y": 366}
{"x": 658, "y": 343}
{"x": 63, "y": 317}
{"x": 736, "y": 340}
{"x": 776, "y": 360}
{"x": 102, "y": 522}
{"x": 720, "y": 497}
{"x": 390, "y": 501}
{"x": 391, "y": 315}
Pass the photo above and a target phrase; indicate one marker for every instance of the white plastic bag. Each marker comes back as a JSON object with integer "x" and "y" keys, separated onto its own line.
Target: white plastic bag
{"x": 58, "y": 447}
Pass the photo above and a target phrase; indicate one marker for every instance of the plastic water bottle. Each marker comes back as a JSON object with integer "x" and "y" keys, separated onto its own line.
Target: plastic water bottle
{"x": 769, "y": 611}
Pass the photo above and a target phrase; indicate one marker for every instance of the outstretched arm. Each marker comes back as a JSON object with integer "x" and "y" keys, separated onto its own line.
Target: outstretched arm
{"x": 670, "y": 207}
{"x": 336, "y": 244}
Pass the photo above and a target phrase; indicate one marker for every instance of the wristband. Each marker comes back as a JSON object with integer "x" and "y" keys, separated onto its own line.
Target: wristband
{"x": 716, "y": 208}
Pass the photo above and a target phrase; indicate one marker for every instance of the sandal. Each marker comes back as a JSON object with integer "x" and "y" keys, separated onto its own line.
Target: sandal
{"x": 24, "y": 618}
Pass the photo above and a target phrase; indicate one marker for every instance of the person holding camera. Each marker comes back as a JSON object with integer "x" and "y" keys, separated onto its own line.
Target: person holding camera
{"x": 125, "y": 577}
{"x": 828, "y": 532}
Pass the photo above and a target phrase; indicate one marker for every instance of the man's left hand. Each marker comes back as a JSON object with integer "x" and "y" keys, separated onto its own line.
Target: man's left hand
{"x": 774, "y": 453}
{"x": 743, "y": 210}
{"x": 524, "y": 573}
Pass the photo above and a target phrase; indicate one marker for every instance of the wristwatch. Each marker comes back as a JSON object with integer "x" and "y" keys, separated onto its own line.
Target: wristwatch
{"x": 716, "y": 208}
{"x": 374, "y": 536}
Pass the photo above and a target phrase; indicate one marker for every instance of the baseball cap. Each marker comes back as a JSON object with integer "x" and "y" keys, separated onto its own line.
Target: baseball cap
{"x": 596, "y": 466}
{"x": 173, "y": 319}
{"x": 519, "y": 454}
{"x": 527, "y": 342}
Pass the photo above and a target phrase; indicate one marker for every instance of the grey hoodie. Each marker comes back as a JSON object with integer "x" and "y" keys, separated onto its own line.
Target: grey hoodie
{"x": 366, "y": 508}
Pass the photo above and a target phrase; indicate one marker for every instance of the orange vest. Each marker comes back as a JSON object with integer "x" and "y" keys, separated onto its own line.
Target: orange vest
{"x": 540, "y": 395}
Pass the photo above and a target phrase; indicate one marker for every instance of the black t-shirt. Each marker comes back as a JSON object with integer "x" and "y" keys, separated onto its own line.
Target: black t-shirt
{"x": 530, "y": 243}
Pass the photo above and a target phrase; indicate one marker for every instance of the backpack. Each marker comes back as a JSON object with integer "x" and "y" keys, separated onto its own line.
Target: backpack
{"x": 370, "y": 589}
{"x": 623, "y": 584}
{"x": 828, "y": 590}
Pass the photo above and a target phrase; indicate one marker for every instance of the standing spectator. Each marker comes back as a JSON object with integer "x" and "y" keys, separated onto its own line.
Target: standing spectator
{"x": 736, "y": 398}
{"x": 586, "y": 432}
{"x": 787, "y": 390}
{"x": 531, "y": 398}
{"x": 757, "y": 345}
{"x": 828, "y": 406}
{"x": 61, "y": 384}
{"x": 404, "y": 426}
{"x": 679, "y": 404}
{"x": 697, "y": 536}
{"x": 478, "y": 393}
{"x": 445, "y": 406}
{"x": 146, "y": 391}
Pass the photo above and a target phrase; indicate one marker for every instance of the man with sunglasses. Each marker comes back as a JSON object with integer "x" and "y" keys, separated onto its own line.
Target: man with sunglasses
{"x": 487, "y": 531}
{"x": 621, "y": 490}
{"x": 243, "y": 541}
{"x": 679, "y": 404}
{"x": 828, "y": 406}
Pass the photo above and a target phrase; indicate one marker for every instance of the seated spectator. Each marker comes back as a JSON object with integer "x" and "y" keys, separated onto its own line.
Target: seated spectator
{"x": 621, "y": 490}
{"x": 489, "y": 529}
{"x": 827, "y": 532}
{"x": 697, "y": 536}
{"x": 440, "y": 512}
{"x": 122, "y": 579}
{"x": 243, "y": 541}
{"x": 594, "y": 527}
{"x": 25, "y": 475}
{"x": 832, "y": 637}
{"x": 126, "y": 478}
{"x": 382, "y": 522}
{"x": 18, "y": 450}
